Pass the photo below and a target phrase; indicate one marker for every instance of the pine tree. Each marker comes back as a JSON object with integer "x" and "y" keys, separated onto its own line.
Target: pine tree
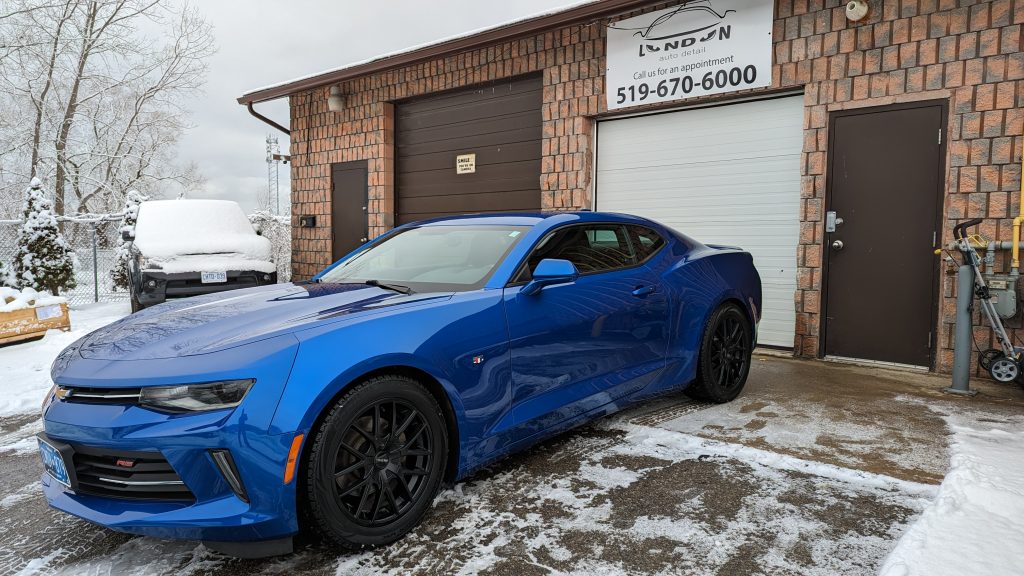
{"x": 44, "y": 260}
{"x": 6, "y": 276}
{"x": 124, "y": 247}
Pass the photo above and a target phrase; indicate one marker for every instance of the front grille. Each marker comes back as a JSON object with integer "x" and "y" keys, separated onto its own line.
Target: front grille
{"x": 194, "y": 286}
{"x": 133, "y": 475}
{"x": 85, "y": 395}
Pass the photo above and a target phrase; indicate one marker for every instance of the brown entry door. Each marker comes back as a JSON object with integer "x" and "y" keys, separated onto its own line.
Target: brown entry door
{"x": 348, "y": 207}
{"x": 881, "y": 277}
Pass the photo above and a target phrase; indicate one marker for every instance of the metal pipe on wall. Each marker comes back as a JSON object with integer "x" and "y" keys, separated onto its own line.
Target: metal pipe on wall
{"x": 990, "y": 253}
{"x": 1015, "y": 260}
{"x": 990, "y": 250}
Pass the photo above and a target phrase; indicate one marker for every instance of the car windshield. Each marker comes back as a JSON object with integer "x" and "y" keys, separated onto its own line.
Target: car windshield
{"x": 431, "y": 258}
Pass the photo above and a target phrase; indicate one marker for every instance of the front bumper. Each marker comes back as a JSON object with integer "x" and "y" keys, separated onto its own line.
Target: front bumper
{"x": 215, "y": 512}
{"x": 210, "y": 510}
{"x": 157, "y": 287}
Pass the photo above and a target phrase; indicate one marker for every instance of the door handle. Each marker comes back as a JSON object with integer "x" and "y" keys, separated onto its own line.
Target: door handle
{"x": 642, "y": 291}
{"x": 837, "y": 245}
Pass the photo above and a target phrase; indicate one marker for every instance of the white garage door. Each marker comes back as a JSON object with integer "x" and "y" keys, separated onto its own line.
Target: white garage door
{"x": 722, "y": 175}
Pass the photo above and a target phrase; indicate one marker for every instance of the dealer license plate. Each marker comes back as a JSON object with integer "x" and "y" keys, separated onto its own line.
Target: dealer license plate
{"x": 214, "y": 277}
{"x": 53, "y": 463}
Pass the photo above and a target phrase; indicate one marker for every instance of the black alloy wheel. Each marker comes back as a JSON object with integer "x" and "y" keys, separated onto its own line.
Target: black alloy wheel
{"x": 725, "y": 353}
{"x": 382, "y": 462}
{"x": 376, "y": 463}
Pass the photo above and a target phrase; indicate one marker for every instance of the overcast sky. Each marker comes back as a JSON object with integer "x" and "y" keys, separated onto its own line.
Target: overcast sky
{"x": 264, "y": 42}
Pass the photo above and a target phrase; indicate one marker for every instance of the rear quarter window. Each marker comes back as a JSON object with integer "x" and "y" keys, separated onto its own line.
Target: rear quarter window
{"x": 646, "y": 242}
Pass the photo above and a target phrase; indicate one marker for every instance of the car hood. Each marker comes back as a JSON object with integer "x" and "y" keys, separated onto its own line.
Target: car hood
{"x": 214, "y": 322}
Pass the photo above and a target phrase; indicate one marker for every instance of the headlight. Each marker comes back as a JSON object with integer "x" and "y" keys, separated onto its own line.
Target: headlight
{"x": 196, "y": 397}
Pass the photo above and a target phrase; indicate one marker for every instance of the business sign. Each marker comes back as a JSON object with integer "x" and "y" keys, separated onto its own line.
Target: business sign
{"x": 697, "y": 49}
{"x": 465, "y": 164}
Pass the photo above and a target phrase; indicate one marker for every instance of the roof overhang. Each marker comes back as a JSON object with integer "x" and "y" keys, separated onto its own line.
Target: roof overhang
{"x": 501, "y": 33}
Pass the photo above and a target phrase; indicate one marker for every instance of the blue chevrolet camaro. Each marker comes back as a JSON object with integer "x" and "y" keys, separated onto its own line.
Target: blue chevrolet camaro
{"x": 342, "y": 404}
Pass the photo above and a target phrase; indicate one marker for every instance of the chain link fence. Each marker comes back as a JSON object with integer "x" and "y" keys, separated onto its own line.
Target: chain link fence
{"x": 95, "y": 258}
{"x": 95, "y": 246}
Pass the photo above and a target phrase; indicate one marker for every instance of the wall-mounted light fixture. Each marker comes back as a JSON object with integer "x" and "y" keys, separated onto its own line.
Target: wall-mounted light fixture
{"x": 336, "y": 101}
{"x": 856, "y": 10}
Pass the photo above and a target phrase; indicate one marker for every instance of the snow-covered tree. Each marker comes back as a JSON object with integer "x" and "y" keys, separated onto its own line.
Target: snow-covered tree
{"x": 44, "y": 260}
{"x": 124, "y": 254}
{"x": 278, "y": 230}
{"x": 6, "y": 277}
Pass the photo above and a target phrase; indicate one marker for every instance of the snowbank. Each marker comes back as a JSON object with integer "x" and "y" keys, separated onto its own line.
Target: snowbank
{"x": 976, "y": 523}
{"x": 168, "y": 230}
{"x": 12, "y": 299}
{"x": 26, "y": 366}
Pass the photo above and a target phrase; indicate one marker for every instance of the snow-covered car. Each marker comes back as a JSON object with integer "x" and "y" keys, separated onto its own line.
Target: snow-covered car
{"x": 187, "y": 247}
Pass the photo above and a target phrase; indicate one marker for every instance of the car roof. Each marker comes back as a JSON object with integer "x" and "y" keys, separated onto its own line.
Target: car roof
{"x": 529, "y": 219}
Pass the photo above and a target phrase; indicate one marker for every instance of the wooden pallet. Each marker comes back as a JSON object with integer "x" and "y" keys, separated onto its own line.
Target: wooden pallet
{"x": 26, "y": 323}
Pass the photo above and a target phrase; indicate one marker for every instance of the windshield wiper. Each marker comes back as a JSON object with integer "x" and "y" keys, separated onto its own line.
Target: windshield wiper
{"x": 396, "y": 287}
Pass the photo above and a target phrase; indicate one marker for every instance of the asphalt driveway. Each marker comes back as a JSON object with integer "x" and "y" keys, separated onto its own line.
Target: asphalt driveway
{"x": 815, "y": 469}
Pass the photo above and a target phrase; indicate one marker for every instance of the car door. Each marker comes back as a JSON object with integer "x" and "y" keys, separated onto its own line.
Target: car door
{"x": 578, "y": 346}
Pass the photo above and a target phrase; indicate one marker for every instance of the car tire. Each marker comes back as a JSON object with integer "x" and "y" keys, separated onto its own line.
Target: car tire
{"x": 724, "y": 360}
{"x": 365, "y": 486}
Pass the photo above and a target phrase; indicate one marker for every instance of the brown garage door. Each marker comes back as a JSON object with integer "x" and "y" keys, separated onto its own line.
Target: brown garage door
{"x": 500, "y": 123}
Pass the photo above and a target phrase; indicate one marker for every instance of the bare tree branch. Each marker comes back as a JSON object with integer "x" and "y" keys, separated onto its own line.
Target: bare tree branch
{"x": 91, "y": 102}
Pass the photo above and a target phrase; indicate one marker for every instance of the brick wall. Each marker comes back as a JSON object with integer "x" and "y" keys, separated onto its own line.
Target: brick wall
{"x": 571, "y": 61}
{"x": 966, "y": 52}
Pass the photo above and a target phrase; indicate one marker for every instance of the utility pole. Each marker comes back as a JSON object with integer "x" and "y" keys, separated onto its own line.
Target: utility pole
{"x": 274, "y": 160}
{"x": 273, "y": 185}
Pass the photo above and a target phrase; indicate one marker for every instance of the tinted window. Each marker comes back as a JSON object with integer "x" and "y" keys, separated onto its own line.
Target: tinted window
{"x": 645, "y": 242}
{"x": 592, "y": 248}
{"x": 432, "y": 257}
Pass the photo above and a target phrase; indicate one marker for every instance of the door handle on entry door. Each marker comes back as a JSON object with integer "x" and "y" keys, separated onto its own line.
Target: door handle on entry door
{"x": 837, "y": 245}
{"x": 642, "y": 291}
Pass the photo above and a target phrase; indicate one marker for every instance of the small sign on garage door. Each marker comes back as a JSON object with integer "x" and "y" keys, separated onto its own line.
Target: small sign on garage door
{"x": 465, "y": 164}
{"x": 697, "y": 49}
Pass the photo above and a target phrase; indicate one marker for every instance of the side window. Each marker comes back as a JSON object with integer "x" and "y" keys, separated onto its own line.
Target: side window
{"x": 592, "y": 248}
{"x": 645, "y": 242}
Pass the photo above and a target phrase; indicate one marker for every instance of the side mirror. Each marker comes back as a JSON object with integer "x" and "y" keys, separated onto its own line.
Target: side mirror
{"x": 549, "y": 272}
{"x": 127, "y": 235}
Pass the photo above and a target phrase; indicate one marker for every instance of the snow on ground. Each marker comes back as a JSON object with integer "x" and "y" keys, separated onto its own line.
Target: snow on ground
{"x": 26, "y": 366}
{"x": 589, "y": 503}
{"x": 976, "y": 523}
